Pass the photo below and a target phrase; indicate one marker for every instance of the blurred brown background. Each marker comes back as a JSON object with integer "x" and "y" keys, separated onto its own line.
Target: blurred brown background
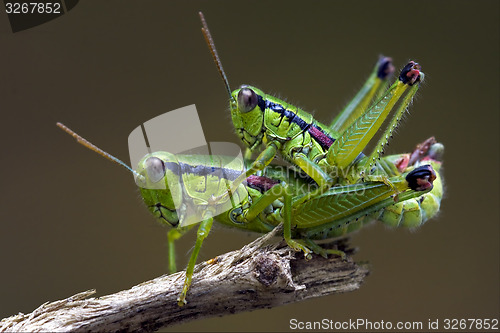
{"x": 72, "y": 221}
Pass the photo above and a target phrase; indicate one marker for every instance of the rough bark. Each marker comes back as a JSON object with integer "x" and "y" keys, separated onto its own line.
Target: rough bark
{"x": 256, "y": 276}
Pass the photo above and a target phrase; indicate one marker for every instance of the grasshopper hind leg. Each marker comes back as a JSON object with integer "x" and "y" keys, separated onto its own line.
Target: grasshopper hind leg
{"x": 371, "y": 90}
{"x": 357, "y": 136}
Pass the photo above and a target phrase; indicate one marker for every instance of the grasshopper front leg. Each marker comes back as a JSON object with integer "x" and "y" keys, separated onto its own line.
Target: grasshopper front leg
{"x": 201, "y": 234}
{"x": 314, "y": 171}
{"x": 173, "y": 235}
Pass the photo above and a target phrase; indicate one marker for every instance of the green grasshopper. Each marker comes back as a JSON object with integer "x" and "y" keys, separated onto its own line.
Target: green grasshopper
{"x": 267, "y": 200}
{"x": 327, "y": 154}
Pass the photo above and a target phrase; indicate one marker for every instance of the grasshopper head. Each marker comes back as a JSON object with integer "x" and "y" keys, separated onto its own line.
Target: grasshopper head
{"x": 160, "y": 186}
{"x": 247, "y": 111}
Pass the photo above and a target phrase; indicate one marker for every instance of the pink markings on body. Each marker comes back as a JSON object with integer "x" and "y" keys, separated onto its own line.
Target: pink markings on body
{"x": 414, "y": 73}
{"x": 402, "y": 163}
{"x": 421, "y": 150}
{"x": 261, "y": 182}
{"x": 324, "y": 140}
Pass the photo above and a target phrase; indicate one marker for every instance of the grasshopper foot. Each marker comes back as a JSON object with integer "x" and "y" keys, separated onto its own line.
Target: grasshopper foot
{"x": 298, "y": 246}
{"x": 325, "y": 252}
{"x": 181, "y": 300}
{"x": 339, "y": 253}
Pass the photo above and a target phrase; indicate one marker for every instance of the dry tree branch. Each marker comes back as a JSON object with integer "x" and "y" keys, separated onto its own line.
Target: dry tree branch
{"x": 253, "y": 277}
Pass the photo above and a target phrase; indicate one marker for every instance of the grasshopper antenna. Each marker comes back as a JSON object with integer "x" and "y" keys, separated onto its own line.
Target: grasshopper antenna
{"x": 213, "y": 51}
{"x": 86, "y": 143}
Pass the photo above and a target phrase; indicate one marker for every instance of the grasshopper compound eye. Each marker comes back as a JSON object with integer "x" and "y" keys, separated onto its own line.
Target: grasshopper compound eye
{"x": 421, "y": 178}
{"x": 247, "y": 100}
{"x": 155, "y": 169}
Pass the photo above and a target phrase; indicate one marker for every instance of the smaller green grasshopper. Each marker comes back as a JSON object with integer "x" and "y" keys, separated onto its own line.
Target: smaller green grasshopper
{"x": 272, "y": 199}
{"x": 322, "y": 152}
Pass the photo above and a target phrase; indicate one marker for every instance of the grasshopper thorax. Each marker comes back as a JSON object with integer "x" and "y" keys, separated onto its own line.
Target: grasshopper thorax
{"x": 247, "y": 112}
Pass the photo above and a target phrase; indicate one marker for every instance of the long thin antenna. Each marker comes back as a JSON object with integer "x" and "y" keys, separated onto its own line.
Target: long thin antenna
{"x": 213, "y": 50}
{"x": 89, "y": 145}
